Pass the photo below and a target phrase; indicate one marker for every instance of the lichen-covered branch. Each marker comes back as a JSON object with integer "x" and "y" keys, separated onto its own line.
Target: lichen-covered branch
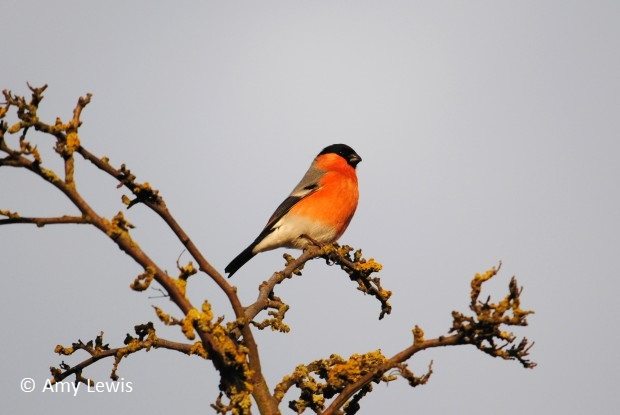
{"x": 349, "y": 380}
{"x": 238, "y": 381}
{"x": 333, "y": 385}
{"x": 484, "y": 329}
{"x": 145, "y": 194}
{"x": 145, "y": 340}
{"x": 358, "y": 268}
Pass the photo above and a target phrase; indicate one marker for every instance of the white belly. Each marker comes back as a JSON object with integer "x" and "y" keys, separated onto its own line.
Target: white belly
{"x": 288, "y": 231}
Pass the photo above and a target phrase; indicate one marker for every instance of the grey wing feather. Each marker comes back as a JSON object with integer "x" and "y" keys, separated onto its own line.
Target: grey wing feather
{"x": 308, "y": 185}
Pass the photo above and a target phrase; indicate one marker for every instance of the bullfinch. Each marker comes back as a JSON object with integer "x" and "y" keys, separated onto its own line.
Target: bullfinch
{"x": 318, "y": 210}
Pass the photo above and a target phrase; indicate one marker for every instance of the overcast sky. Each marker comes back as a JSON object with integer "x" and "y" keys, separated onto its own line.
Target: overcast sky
{"x": 488, "y": 131}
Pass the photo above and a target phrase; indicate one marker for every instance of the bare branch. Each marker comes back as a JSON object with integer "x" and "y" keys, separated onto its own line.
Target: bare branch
{"x": 40, "y": 222}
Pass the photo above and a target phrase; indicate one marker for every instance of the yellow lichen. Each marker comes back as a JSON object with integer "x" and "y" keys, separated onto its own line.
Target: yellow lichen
{"x": 383, "y": 293}
{"x": 59, "y": 126}
{"x": 72, "y": 142}
{"x": 232, "y": 352}
{"x": 120, "y": 222}
{"x": 318, "y": 399}
{"x": 143, "y": 281}
{"x": 119, "y": 226}
{"x": 15, "y": 127}
{"x": 181, "y": 285}
{"x": 187, "y": 325}
{"x": 340, "y": 375}
{"x": 164, "y": 317}
{"x": 418, "y": 335}
{"x": 133, "y": 346}
{"x": 63, "y": 350}
{"x": 187, "y": 270}
{"x": 198, "y": 348}
{"x": 49, "y": 175}
{"x": 478, "y": 280}
{"x": 141, "y": 187}
{"x": 206, "y": 310}
{"x": 369, "y": 266}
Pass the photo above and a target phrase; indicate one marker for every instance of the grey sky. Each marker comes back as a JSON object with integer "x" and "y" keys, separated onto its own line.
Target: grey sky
{"x": 489, "y": 130}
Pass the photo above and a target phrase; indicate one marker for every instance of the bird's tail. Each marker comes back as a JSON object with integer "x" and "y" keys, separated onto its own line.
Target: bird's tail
{"x": 239, "y": 260}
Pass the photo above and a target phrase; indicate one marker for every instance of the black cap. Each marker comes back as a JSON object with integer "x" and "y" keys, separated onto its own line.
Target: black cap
{"x": 343, "y": 151}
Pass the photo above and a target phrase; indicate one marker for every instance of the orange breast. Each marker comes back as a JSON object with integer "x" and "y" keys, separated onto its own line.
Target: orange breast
{"x": 334, "y": 203}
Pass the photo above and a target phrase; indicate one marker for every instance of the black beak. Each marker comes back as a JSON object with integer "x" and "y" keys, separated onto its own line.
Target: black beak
{"x": 354, "y": 159}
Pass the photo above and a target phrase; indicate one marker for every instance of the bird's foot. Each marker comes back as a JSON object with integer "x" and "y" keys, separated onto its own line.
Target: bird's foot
{"x": 311, "y": 240}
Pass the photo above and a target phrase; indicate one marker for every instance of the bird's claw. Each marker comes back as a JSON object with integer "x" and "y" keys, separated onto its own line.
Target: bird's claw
{"x": 311, "y": 240}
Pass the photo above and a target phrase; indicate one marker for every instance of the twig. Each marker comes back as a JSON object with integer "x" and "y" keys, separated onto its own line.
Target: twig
{"x": 391, "y": 363}
{"x": 99, "y": 351}
{"x": 266, "y": 288}
{"x": 40, "y": 222}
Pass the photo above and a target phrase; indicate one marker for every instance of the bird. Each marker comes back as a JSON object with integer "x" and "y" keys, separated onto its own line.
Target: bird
{"x": 318, "y": 210}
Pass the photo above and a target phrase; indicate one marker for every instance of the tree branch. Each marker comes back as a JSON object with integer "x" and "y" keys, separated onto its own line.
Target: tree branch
{"x": 358, "y": 269}
{"x": 375, "y": 374}
{"x": 349, "y": 380}
{"x": 265, "y": 290}
{"x": 231, "y": 363}
{"x": 40, "y": 222}
{"x": 147, "y": 339}
{"x": 231, "y": 346}
{"x": 150, "y": 197}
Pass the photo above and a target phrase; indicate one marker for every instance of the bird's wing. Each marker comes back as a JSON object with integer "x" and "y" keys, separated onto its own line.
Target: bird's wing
{"x": 308, "y": 185}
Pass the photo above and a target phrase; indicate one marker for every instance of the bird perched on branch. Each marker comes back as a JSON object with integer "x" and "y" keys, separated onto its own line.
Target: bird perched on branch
{"x": 318, "y": 210}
